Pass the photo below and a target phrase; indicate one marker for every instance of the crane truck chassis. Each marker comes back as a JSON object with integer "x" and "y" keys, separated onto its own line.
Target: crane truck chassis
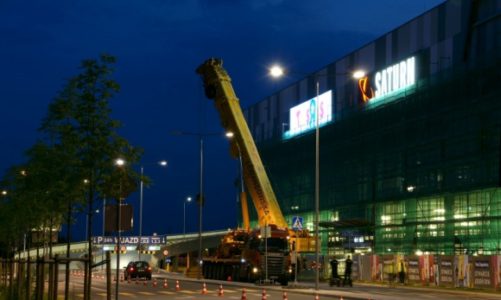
{"x": 248, "y": 256}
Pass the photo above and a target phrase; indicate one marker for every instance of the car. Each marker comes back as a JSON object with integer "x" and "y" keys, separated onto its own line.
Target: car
{"x": 138, "y": 269}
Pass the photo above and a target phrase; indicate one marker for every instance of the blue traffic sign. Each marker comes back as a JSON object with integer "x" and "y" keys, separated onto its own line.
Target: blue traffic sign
{"x": 297, "y": 223}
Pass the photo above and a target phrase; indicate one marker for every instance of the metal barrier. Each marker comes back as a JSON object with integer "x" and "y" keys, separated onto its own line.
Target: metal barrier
{"x": 29, "y": 279}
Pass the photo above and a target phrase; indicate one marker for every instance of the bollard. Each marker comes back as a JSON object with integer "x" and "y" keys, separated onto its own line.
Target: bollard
{"x": 284, "y": 296}
{"x": 263, "y": 297}
{"x": 165, "y": 284}
{"x": 204, "y": 289}
{"x": 178, "y": 288}
{"x": 154, "y": 282}
{"x": 221, "y": 291}
{"x": 244, "y": 294}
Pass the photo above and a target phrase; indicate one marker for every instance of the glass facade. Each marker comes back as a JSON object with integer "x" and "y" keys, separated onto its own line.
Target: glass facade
{"x": 415, "y": 171}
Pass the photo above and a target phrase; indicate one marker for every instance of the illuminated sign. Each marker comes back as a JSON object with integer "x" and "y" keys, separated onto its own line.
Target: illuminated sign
{"x": 129, "y": 240}
{"x": 302, "y": 117}
{"x": 389, "y": 80}
{"x": 365, "y": 89}
{"x": 395, "y": 77}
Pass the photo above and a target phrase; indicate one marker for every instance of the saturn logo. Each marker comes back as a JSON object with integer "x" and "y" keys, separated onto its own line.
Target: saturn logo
{"x": 365, "y": 88}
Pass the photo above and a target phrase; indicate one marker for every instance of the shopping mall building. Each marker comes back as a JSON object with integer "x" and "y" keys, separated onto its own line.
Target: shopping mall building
{"x": 410, "y": 154}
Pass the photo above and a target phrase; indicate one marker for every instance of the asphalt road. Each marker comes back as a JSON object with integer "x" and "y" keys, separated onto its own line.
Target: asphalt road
{"x": 193, "y": 289}
{"x": 142, "y": 289}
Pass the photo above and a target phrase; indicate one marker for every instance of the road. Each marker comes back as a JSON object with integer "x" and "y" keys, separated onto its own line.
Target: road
{"x": 192, "y": 289}
{"x": 143, "y": 289}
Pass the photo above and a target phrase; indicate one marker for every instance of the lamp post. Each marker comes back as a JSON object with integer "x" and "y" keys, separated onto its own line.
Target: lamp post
{"x": 119, "y": 163}
{"x": 243, "y": 199}
{"x": 162, "y": 163}
{"x": 187, "y": 200}
{"x": 277, "y": 71}
{"x": 317, "y": 186}
{"x": 200, "y": 205}
{"x": 201, "y": 189}
{"x": 87, "y": 222}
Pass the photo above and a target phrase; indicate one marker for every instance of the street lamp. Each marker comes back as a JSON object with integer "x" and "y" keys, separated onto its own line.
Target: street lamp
{"x": 201, "y": 189}
{"x": 119, "y": 163}
{"x": 162, "y": 163}
{"x": 243, "y": 197}
{"x": 188, "y": 200}
{"x": 277, "y": 71}
{"x": 87, "y": 222}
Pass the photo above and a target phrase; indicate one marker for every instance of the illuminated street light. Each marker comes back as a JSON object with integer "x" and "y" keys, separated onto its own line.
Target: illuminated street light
{"x": 188, "y": 200}
{"x": 87, "y": 222}
{"x": 4, "y": 193}
{"x": 411, "y": 188}
{"x": 119, "y": 162}
{"x": 358, "y": 74}
{"x": 162, "y": 163}
{"x": 243, "y": 198}
{"x": 277, "y": 71}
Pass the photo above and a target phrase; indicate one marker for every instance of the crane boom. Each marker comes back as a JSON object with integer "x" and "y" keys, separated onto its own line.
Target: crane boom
{"x": 218, "y": 86}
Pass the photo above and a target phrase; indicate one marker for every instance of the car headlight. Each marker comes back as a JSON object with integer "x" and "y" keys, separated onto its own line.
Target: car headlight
{"x": 255, "y": 270}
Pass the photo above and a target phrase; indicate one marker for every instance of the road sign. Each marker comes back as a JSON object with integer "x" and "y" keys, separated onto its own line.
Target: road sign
{"x": 266, "y": 232}
{"x": 297, "y": 223}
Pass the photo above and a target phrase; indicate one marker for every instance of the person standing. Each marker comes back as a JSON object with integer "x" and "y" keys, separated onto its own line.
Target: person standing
{"x": 401, "y": 272}
{"x": 334, "y": 274}
{"x": 347, "y": 271}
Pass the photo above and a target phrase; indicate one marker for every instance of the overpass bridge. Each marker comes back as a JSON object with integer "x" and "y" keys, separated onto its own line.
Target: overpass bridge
{"x": 173, "y": 253}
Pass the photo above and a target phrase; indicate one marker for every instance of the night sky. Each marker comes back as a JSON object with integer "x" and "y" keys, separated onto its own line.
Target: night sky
{"x": 158, "y": 45}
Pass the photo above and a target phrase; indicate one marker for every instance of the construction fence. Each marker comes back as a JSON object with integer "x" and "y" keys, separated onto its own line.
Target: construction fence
{"x": 483, "y": 272}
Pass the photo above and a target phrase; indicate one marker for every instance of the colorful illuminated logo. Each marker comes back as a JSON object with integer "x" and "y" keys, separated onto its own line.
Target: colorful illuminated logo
{"x": 302, "y": 117}
{"x": 389, "y": 80}
{"x": 365, "y": 88}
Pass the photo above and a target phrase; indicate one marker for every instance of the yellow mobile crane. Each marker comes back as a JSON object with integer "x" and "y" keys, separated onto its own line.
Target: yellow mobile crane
{"x": 245, "y": 246}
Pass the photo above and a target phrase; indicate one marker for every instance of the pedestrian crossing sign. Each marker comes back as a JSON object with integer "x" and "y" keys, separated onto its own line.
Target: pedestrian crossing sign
{"x": 297, "y": 223}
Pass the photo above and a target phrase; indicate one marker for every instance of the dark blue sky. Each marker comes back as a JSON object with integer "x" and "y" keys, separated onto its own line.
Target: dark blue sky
{"x": 159, "y": 44}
